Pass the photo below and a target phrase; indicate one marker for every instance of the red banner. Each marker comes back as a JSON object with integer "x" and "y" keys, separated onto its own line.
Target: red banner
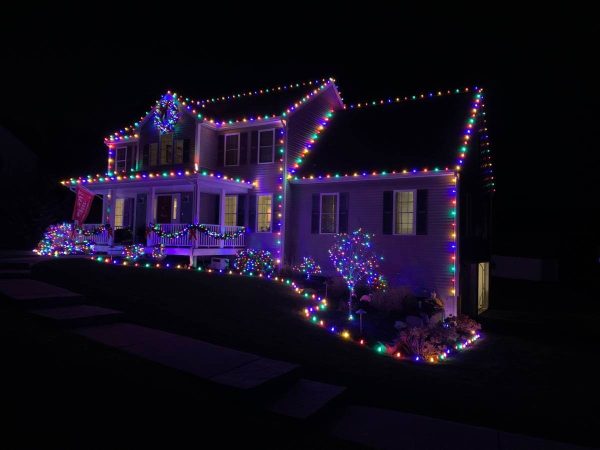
{"x": 83, "y": 203}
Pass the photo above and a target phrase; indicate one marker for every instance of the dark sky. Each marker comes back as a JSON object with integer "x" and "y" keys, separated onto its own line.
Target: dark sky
{"x": 67, "y": 85}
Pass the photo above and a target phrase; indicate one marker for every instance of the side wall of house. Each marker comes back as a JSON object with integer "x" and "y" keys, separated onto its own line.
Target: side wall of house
{"x": 418, "y": 261}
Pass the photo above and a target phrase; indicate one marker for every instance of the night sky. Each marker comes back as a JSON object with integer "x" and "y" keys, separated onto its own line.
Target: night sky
{"x": 66, "y": 87}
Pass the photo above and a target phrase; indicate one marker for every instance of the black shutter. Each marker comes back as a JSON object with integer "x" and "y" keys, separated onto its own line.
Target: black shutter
{"x": 253, "y": 147}
{"x": 241, "y": 210}
{"x": 146, "y": 157}
{"x": 316, "y": 210}
{"x": 221, "y": 150}
{"x": 422, "y": 197}
{"x": 343, "y": 215}
{"x": 388, "y": 212}
{"x": 243, "y": 148}
{"x": 140, "y": 218}
{"x": 252, "y": 212}
{"x": 187, "y": 156}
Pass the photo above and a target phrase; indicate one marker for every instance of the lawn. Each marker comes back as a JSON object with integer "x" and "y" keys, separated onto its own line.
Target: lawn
{"x": 539, "y": 386}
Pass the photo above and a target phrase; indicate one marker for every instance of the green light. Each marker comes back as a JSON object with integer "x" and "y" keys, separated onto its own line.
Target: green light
{"x": 165, "y": 174}
{"x": 313, "y": 318}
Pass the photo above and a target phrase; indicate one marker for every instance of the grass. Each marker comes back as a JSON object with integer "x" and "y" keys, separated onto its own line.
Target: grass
{"x": 540, "y": 387}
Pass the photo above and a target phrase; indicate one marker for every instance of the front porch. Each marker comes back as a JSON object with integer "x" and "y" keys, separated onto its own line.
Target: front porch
{"x": 133, "y": 206}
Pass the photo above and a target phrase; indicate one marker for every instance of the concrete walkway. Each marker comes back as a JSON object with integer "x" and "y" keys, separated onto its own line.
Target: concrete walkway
{"x": 386, "y": 429}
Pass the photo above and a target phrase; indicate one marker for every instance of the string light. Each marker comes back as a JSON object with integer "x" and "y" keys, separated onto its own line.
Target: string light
{"x": 63, "y": 239}
{"x": 254, "y": 262}
{"x": 191, "y": 229}
{"x": 308, "y": 267}
{"x": 374, "y": 174}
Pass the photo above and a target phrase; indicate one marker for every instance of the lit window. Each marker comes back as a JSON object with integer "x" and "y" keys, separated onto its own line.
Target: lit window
{"x": 266, "y": 146}
{"x": 405, "y": 212}
{"x": 121, "y": 160}
{"x": 329, "y": 204}
{"x": 119, "y": 211}
{"x": 231, "y": 210}
{"x": 264, "y": 214}
{"x": 232, "y": 149}
{"x": 174, "y": 216}
{"x": 166, "y": 149}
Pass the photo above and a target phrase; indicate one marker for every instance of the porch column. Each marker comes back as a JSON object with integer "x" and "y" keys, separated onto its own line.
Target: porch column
{"x": 150, "y": 207}
{"x": 222, "y": 216}
{"x": 111, "y": 201}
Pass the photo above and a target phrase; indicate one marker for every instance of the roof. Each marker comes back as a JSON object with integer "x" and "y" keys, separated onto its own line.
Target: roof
{"x": 392, "y": 134}
{"x": 249, "y": 105}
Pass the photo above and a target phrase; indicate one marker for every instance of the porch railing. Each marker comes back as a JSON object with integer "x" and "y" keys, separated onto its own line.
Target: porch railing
{"x": 100, "y": 238}
{"x": 202, "y": 240}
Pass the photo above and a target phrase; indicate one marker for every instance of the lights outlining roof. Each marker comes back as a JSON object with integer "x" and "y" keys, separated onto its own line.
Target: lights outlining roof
{"x": 196, "y": 108}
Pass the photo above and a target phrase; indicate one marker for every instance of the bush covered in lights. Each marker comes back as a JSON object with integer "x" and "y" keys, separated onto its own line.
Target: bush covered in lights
{"x": 254, "y": 262}
{"x": 63, "y": 239}
{"x": 435, "y": 343}
{"x": 308, "y": 267}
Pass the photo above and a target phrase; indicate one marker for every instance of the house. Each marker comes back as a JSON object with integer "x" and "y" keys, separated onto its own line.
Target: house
{"x": 283, "y": 169}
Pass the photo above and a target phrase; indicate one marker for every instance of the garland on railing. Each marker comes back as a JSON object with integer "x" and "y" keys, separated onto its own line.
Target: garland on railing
{"x": 192, "y": 229}
{"x": 94, "y": 231}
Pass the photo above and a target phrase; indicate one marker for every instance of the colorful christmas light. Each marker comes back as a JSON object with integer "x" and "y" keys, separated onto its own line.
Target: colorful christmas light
{"x": 166, "y": 114}
{"x": 252, "y": 261}
{"x": 64, "y": 239}
{"x": 353, "y": 257}
{"x": 191, "y": 229}
{"x": 133, "y": 252}
{"x": 308, "y": 267}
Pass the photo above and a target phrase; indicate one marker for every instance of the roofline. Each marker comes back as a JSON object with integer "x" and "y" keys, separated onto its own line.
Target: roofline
{"x": 372, "y": 177}
{"x": 249, "y": 123}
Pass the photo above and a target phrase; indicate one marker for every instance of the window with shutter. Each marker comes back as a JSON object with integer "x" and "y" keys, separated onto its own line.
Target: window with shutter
{"x": 231, "y": 210}
{"x": 178, "y": 152}
{"x": 264, "y": 206}
{"x": 166, "y": 149}
{"x": 153, "y": 154}
{"x": 404, "y": 212}
{"x": 121, "y": 159}
{"x": 329, "y": 213}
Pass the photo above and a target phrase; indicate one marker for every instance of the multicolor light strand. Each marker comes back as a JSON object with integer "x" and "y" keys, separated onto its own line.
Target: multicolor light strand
{"x": 166, "y": 114}
{"x": 308, "y": 266}
{"x": 254, "y": 262}
{"x": 191, "y": 229}
{"x": 62, "y": 239}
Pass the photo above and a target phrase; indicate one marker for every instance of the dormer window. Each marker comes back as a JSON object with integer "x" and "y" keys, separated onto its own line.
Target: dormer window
{"x": 121, "y": 159}
{"x": 266, "y": 146}
{"x": 232, "y": 149}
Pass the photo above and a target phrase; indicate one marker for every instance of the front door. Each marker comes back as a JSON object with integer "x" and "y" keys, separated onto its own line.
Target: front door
{"x": 164, "y": 208}
{"x": 483, "y": 286}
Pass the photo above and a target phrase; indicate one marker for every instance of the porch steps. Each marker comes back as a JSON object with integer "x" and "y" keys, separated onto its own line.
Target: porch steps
{"x": 30, "y": 293}
{"x": 78, "y": 315}
{"x": 305, "y": 398}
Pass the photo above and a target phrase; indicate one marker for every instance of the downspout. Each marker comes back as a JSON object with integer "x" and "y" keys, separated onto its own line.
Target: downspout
{"x": 284, "y": 182}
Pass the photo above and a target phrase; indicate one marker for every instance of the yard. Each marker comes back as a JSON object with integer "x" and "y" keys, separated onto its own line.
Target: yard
{"x": 539, "y": 385}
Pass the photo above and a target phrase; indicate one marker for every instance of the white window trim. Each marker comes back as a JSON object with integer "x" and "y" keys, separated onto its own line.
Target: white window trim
{"x": 414, "y": 224}
{"x": 258, "y": 214}
{"x": 337, "y": 211}
{"x": 225, "y": 150}
{"x": 272, "y": 130}
{"x": 117, "y": 160}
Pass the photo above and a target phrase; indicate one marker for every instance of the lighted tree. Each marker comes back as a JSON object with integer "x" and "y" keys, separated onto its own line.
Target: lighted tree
{"x": 355, "y": 260}
{"x": 308, "y": 266}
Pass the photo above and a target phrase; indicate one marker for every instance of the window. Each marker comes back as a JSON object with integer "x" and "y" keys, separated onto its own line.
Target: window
{"x": 266, "y": 146}
{"x": 121, "y": 160}
{"x": 154, "y": 154}
{"x": 232, "y": 149}
{"x": 264, "y": 216}
{"x": 166, "y": 149}
{"x": 231, "y": 203}
{"x": 404, "y": 216}
{"x": 329, "y": 210}
{"x": 119, "y": 211}
{"x": 179, "y": 151}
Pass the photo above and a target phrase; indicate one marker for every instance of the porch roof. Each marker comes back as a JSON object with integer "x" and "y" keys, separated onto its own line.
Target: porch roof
{"x": 207, "y": 179}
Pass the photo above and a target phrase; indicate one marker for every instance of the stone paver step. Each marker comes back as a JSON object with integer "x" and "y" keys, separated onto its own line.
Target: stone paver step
{"x": 78, "y": 314}
{"x": 28, "y": 292}
{"x": 14, "y": 273}
{"x": 305, "y": 398}
{"x": 212, "y": 362}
